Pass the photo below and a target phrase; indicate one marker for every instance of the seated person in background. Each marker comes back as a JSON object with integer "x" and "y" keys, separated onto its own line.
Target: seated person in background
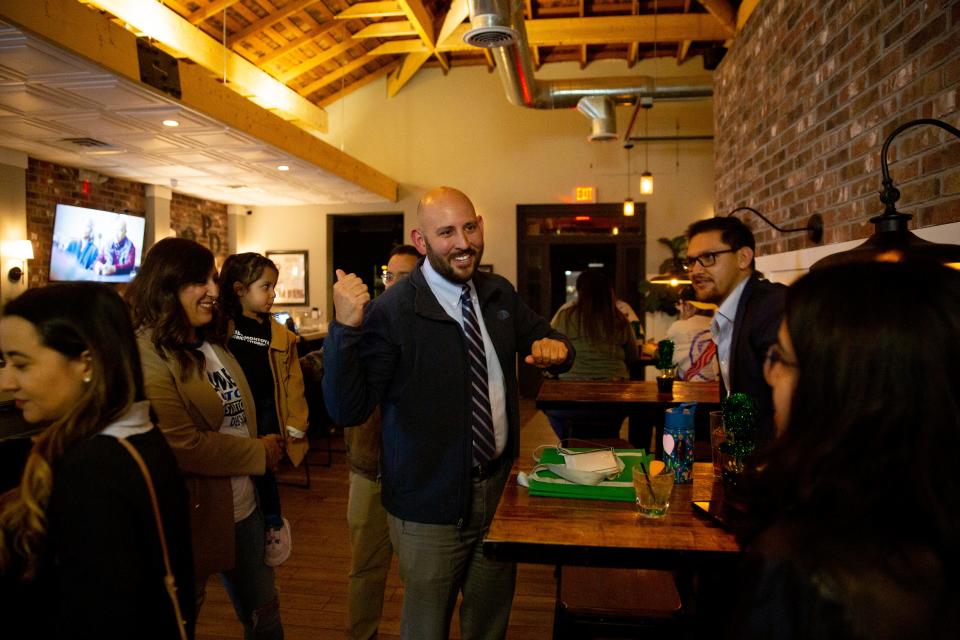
{"x": 120, "y": 257}
{"x": 696, "y": 352}
{"x": 84, "y": 248}
{"x": 854, "y": 505}
{"x": 605, "y": 347}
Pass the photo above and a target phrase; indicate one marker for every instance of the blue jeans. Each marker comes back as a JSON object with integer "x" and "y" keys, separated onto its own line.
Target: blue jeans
{"x": 250, "y": 584}
{"x": 439, "y": 560}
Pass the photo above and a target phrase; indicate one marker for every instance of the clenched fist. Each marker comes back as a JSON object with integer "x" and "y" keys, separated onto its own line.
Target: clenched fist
{"x": 350, "y": 297}
{"x": 546, "y": 353}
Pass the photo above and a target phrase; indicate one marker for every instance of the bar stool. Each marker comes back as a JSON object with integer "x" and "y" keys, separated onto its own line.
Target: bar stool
{"x": 595, "y": 603}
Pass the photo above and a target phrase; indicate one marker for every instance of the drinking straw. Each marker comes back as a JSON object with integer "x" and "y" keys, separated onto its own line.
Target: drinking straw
{"x": 646, "y": 474}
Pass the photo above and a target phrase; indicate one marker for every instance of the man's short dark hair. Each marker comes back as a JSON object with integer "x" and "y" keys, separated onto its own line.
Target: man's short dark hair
{"x": 733, "y": 233}
{"x": 404, "y": 250}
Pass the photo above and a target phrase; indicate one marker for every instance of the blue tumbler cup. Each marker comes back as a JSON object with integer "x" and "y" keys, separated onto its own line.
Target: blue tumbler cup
{"x": 678, "y": 434}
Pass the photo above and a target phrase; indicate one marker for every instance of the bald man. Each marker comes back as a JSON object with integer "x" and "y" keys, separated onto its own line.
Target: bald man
{"x": 438, "y": 354}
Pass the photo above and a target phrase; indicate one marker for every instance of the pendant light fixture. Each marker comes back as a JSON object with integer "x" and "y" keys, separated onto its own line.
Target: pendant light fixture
{"x": 628, "y": 208}
{"x": 646, "y": 178}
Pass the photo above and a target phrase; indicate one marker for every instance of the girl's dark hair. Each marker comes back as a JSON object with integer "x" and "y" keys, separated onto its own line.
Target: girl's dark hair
{"x": 243, "y": 269}
{"x": 154, "y": 299}
{"x": 595, "y": 312}
{"x": 72, "y": 319}
{"x": 874, "y": 428}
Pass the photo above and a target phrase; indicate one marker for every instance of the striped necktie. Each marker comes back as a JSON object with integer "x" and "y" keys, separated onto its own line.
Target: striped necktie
{"x": 484, "y": 445}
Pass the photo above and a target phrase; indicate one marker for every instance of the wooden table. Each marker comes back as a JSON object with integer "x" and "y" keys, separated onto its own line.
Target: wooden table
{"x": 568, "y": 531}
{"x": 637, "y": 398}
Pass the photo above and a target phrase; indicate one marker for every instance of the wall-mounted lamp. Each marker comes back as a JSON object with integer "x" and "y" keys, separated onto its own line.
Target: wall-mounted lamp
{"x": 21, "y": 250}
{"x": 892, "y": 241}
{"x": 814, "y": 226}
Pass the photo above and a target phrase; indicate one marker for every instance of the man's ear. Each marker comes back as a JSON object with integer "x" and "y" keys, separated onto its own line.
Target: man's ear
{"x": 744, "y": 257}
{"x": 416, "y": 237}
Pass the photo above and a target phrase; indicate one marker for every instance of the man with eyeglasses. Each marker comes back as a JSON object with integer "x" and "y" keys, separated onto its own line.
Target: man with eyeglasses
{"x": 721, "y": 265}
{"x": 370, "y": 548}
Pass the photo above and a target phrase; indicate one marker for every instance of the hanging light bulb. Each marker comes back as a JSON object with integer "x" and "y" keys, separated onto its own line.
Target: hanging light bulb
{"x": 628, "y": 208}
{"x": 646, "y": 183}
{"x": 646, "y": 178}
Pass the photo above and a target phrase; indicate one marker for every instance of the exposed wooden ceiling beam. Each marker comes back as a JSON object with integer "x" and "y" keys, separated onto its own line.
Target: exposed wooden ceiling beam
{"x": 397, "y": 47}
{"x": 317, "y": 60}
{"x": 459, "y": 11}
{"x": 333, "y": 76}
{"x": 683, "y": 50}
{"x": 743, "y": 14}
{"x": 385, "y": 9}
{"x": 176, "y": 33}
{"x": 408, "y": 68}
{"x": 211, "y": 9}
{"x": 365, "y": 80}
{"x": 326, "y": 29}
{"x": 93, "y": 36}
{"x": 268, "y": 20}
{"x": 421, "y": 19}
{"x": 557, "y": 32}
{"x": 722, "y": 11}
{"x": 386, "y": 29}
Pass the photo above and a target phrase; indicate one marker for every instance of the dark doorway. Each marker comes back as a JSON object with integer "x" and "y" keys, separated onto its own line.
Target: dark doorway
{"x": 361, "y": 244}
{"x": 569, "y": 261}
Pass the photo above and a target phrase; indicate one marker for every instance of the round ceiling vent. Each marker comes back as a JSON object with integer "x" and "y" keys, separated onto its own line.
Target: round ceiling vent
{"x": 491, "y": 37}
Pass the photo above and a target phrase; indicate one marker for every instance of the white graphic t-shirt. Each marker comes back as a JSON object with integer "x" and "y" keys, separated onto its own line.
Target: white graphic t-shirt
{"x": 234, "y": 424}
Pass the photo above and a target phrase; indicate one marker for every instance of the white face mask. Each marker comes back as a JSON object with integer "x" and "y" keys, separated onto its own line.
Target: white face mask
{"x": 585, "y": 467}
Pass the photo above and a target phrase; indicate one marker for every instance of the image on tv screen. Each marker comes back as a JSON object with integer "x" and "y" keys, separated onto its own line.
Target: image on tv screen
{"x": 90, "y": 244}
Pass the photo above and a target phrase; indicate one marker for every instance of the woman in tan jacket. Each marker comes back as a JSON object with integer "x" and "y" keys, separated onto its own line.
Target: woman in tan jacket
{"x": 203, "y": 406}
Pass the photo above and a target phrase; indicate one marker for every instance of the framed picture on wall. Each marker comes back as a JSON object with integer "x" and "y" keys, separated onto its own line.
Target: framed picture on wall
{"x": 293, "y": 285}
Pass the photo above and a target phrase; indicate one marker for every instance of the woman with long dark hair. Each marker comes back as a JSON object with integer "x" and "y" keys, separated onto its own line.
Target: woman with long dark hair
{"x": 605, "y": 349}
{"x": 204, "y": 407}
{"x": 80, "y": 548}
{"x": 857, "y": 529}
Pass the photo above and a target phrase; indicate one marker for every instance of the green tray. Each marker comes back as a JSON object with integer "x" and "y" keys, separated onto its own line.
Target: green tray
{"x": 547, "y": 483}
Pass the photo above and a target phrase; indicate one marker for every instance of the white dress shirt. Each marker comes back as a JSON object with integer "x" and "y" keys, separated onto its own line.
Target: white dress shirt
{"x": 722, "y": 329}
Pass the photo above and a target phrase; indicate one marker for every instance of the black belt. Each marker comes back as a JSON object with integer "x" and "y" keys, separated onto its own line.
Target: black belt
{"x": 486, "y": 469}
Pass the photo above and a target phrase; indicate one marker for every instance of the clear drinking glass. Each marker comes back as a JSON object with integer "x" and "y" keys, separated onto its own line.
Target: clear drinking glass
{"x": 653, "y": 492}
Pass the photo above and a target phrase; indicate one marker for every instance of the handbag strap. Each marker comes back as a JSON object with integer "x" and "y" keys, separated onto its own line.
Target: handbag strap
{"x": 168, "y": 579}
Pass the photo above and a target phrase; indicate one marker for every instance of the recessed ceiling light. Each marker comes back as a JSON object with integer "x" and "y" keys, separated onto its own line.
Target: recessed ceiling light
{"x": 283, "y": 167}
{"x": 171, "y": 123}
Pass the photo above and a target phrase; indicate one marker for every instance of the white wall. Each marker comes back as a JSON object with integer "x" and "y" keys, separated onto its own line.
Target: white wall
{"x": 13, "y": 214}
{"x": 459, "y": 130}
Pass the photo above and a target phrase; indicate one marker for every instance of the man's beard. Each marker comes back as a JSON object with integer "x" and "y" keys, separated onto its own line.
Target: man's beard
{"x": 442, "y": 265}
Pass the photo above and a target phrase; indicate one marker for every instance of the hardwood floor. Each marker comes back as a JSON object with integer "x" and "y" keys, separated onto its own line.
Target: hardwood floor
{"x": 313, "y": 582}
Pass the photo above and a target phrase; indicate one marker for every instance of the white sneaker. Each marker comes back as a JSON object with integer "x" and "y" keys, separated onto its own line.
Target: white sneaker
{"x": 279, "y": 545}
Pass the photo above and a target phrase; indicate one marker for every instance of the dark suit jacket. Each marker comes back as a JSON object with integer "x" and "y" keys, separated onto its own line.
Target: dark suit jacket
{"x": 754, "y": 329}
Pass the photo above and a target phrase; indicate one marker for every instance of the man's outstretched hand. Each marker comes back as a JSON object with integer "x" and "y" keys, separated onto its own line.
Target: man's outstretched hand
{"x": 350, "y": 298}
{"x": 546, "y": 352}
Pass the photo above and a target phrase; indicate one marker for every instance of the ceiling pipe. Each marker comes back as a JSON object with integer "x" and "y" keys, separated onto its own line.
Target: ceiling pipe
{"x": 602, "y": 116}
{"x": 499, "y": 25}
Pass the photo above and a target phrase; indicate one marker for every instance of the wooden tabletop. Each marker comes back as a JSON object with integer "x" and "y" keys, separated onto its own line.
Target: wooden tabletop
{"x": 566, "y": 531}
{"x": 564, "y": 394}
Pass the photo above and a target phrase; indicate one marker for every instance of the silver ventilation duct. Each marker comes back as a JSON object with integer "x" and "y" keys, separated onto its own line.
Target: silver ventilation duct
{"x": 514, "y": 62}
{"x": 600, "y": 110}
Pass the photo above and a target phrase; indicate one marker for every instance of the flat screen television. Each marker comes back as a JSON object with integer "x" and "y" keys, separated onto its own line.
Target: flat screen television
{"x": 90, "y": 244}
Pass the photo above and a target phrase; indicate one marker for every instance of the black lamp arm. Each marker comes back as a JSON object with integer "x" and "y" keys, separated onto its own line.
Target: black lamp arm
{"x": 890, "y": 194}
{"x": 814, "y": 228}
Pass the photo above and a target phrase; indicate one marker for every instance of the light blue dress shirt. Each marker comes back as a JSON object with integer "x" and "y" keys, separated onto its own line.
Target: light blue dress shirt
{"x": 722, "y": 328}
{"x": 448, "y": 295}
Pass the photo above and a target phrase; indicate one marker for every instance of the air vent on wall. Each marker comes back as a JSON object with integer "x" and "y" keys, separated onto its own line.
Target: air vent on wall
{"x": 90, "y": 143}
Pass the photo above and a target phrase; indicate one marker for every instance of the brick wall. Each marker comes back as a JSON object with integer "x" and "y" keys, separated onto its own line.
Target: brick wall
{"x": 201, "y": 220}
{"x": 50, "y": 184}
{"x": 805, "y": 98}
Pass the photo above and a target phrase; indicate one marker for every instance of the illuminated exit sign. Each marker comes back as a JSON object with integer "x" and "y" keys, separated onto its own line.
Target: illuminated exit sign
{"x": 585, "y": 194}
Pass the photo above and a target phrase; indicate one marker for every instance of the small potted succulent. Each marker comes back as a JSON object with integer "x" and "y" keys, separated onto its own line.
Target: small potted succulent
{"x": 666, "y": 365}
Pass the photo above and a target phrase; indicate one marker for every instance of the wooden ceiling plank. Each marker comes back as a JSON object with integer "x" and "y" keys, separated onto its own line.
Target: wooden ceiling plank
{"x": 408, "y": 68}
{"x": 555, "y": 32}
{"x": 365, "y": 80}
{"x": 269, "y": 20}
{"x": 722, "y": 11}
{"x": 387, "y": 29}
{"x": 633, "y": 52}
{"x": 444, "y": 61}
{"x": 491, "y": 65}
{"x": 397, "y": 47}
{"x": 211, "y": 9}
{"x": 421, "y": 19}
{"x": 325, "y": 30}
{"x": 320, "y": 83}
{"x": 385, "y": 9}
{"x": 459, "y": 11}
{"x": 314, "y": 62}
{"x": 683, "y": 51}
